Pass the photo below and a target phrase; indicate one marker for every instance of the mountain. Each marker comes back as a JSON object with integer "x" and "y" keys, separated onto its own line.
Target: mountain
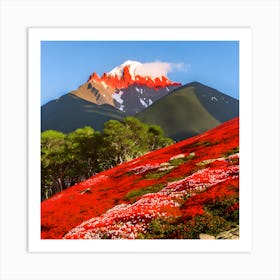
{"x": 190, "y": 110}
{"x": 70, "y": 112}
{"x": 221, "y": 106}
{"x": 125, "y": 89}
{"x": 185, "y": 190}
{"x": 116, "y": 94}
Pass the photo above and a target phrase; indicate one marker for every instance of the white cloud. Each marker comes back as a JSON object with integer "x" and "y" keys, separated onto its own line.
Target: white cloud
{"x": 179, "y": 66}
{"x": 158, "y": 68}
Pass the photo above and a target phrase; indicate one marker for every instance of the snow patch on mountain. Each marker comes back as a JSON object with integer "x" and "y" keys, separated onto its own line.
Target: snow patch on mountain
{"x": 143, "y": 102}
{"x": 118, "y": 96}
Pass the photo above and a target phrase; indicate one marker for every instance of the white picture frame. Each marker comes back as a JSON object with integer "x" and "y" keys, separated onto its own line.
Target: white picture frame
{"x": 242, "y": 35}
{"x": 261, "y": 261}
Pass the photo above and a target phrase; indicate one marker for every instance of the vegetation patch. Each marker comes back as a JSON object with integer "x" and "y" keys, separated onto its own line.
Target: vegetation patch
{"x": 178, "y": 161}
{"x": 231, "y": 151}
{"x": 161, "y": 228}
{"x": 227, "y": 208}
{"x": 218, "y": 216}
{"x": 129, "y": 173}
{"x": 204, "y": 143}
{"x": 156, "y": 174}
{"x": 177, "y": 228}
{"x": 206, "y": 223}
{"x": 133, "y": 195}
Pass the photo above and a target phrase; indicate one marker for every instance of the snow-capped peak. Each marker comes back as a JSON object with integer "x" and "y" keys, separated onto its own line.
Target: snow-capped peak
{"x": 133, "y": 72}
{"x": 118, "y": 71}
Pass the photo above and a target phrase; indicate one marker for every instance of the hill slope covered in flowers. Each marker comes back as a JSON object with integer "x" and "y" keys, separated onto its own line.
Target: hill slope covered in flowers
{"x": 180, "y": 191}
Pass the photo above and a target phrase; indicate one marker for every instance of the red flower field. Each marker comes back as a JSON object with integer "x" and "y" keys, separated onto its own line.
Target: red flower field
{"x": 188, "y": 188}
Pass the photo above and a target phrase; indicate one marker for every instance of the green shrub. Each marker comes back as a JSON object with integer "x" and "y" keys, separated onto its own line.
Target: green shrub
{"x": 221, "y": 208}
{"x": 162, "y": 228}
{"x": 133, "y": 195}
{"x": 156, "y": 174}
{"x": 177, "y": 228}
{"x": 205, "y": 223}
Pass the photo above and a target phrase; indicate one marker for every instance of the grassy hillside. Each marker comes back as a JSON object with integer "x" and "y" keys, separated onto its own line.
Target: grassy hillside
{"x": 180, "y": 114}
{"x": 221, "y": 106}
{"x": 181, "y": 191}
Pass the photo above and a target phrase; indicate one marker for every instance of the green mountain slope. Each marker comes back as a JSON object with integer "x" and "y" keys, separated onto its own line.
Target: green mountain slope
{"x": 221, "y": 106}
{"x": 190, "y": 110}
{"x": 70, "y": 112}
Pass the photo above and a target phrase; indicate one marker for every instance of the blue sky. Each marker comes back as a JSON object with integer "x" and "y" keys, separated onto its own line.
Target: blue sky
{"x": 65, "y": 65}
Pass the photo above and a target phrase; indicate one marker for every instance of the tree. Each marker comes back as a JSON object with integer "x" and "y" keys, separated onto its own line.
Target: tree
{"x": 156, "y": 138}
{"x": 67, "y": 159}
{"x": 82, "y": 147}
{"x": 129, "y": 139}
{"x": 55, "y": 161}
{"x": 116, "y": 143}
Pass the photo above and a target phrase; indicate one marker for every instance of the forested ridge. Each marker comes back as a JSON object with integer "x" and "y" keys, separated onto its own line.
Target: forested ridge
{"x": 67, "y": 159}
